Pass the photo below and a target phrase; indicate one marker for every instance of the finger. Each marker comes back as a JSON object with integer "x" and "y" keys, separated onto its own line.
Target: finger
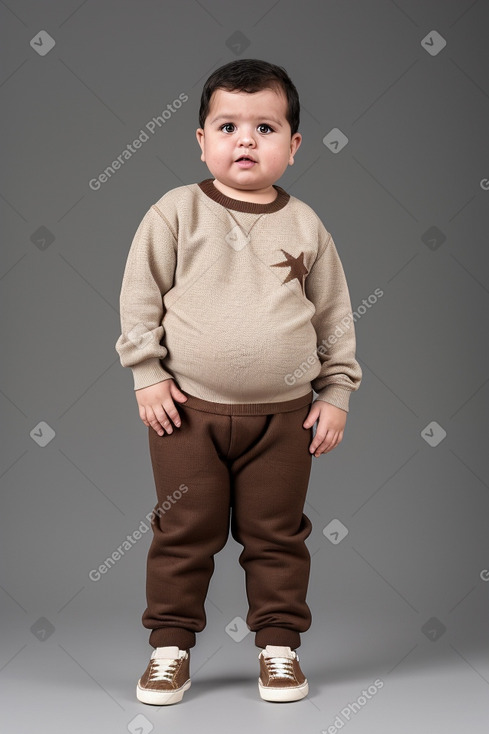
{"x": 176, "y": 392}
{"x": 311, "y": 418}
{"x": 332, "y": 443}
{"x": 165, "y": 416}
{"x": 172, "y": 413}
{"x": 160, "y": 424}
{"x": 321, "y": 449}
{"x": 321, "y": 444}
{"x": 320, "y": 439}
{"x": 142, "y": 415}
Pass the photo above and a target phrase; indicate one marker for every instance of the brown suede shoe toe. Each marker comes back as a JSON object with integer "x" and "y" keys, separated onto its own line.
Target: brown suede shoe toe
{"x": 166, "y": 678}
{"x": 281, "y": 677}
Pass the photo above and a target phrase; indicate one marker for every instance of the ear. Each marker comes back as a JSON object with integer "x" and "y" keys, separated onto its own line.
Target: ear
{"x": 295, "y": 142}
{"x": 201, "y": 141}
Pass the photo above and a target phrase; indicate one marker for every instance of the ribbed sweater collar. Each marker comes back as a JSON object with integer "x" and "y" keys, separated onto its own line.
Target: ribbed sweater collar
{"x": 250, "y": 207}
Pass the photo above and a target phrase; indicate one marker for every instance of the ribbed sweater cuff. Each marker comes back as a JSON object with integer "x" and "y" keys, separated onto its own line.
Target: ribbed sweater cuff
{"x": 149, "y": 373}
{"x": 336, "y": 395}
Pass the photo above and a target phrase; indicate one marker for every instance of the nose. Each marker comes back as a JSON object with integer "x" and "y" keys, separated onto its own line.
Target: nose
{"x": 246, "y": 138}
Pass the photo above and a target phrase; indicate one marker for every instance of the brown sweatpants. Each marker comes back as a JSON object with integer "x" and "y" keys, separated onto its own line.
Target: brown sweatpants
{"x": 244, "y": 467}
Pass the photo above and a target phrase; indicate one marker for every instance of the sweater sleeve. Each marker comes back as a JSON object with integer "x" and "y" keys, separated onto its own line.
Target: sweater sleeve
{"x": 148, "y": 275}
{"x": 327, "y": 289}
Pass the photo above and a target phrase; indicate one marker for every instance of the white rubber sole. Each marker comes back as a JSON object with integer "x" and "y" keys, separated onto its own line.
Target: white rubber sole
{"x": 161, "y": 698}
{"x": 279, "y": 695}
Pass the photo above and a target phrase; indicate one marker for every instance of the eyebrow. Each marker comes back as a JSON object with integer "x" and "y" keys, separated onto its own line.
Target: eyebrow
{"x": 237, "y": 117}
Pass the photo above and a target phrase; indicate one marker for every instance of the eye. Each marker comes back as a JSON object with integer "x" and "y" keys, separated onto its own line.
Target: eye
{"x": 264, "y": 125}
{"x": 227, "y": 125}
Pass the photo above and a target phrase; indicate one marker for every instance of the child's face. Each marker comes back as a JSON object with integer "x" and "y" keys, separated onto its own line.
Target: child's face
{"x": 242, "y": 124}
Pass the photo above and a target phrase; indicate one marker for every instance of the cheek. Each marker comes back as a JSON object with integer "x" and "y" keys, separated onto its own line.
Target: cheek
{"x": 277, "y": 157}
{"x": 218, "y": 150}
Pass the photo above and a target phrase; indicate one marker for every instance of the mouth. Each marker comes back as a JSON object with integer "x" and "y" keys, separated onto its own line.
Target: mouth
{"x": 245, "y": 161}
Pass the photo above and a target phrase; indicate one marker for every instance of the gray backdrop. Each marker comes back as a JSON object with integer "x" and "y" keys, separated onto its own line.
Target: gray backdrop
{"x": 394, "y": 160}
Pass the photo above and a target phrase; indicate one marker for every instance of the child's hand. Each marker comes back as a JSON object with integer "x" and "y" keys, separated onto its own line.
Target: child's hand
{"x": 330, "y": 427}
{"x": 156, "y": 405}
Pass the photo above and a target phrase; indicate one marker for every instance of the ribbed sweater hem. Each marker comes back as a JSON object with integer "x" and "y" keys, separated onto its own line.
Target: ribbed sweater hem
{"x": 285, "y": 406}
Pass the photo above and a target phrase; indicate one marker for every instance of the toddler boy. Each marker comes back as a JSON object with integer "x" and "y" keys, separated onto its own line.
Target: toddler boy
{"x": 234, "y": 306}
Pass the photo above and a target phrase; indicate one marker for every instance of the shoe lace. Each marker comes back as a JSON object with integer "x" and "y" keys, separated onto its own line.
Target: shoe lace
{"x": 163, "y": 669}
{"x": 280, "y": 668}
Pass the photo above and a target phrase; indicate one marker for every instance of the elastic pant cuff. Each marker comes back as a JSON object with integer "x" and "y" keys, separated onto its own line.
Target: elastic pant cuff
{"x": 277, "y": 636}
{"x": 166, "y": 636}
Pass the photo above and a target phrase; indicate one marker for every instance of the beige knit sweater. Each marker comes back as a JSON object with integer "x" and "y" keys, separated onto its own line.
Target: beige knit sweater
{"x": 237, "y": 302}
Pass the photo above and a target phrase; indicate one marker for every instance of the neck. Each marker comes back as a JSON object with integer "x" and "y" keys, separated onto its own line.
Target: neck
{"x": 258, "y": 196}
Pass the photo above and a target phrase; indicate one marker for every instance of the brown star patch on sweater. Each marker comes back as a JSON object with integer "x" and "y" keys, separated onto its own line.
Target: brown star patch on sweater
{"x": 297, "y": 268}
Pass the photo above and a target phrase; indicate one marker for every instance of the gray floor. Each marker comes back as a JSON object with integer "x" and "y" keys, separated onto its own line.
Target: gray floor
{"x": 428, "y": 694}
{"x": 82, "y": 676}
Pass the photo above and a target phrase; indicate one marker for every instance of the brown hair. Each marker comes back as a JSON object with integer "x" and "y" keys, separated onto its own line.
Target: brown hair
{"x": 251, "y": 75}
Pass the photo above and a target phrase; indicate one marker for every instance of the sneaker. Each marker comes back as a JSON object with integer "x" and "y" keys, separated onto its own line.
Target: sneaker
{"x": 281, "y": 677}
{"x": 166, "y": 678}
